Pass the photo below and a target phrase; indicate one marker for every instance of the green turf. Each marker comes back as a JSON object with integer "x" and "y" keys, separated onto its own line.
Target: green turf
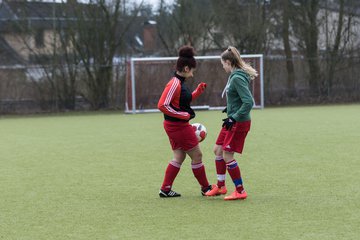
{"x": 96, "y": 176}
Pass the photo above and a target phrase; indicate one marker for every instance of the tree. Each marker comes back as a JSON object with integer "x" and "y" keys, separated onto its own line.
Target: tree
{"x": 40, "y": 30}
{"x": 287, "y": 48}
{"x": 243, "y": 25}
{"x": 78, "y": 48}
{"x": 186, "y": 22}
{"x": 167, "y": 33}
{"x": 97, "y": 35}
{"x": 333, "y": 47}
{"x": 305, "y": 27}
{"x": 338, "y": 28}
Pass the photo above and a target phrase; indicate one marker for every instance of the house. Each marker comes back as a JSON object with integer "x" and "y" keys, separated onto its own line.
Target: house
{"x": 31, "y": 29}
{"x": 31, "y": 33}
{"x": 28, "y": 29}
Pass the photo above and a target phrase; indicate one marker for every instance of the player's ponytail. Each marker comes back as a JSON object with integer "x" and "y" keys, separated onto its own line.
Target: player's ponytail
{"x": 233, "y": 55}
{"x": 186, "y": 58}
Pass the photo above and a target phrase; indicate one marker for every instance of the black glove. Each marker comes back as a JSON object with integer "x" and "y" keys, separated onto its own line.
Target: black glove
{"x": 228, "y": 123}
{"x": 225, "y": 110}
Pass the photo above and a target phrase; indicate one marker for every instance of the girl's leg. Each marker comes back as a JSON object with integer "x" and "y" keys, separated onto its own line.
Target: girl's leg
{"x": 198, "y": 168}
{"x": 234, "y": 171}
{"x": 173, "y": 169}
{"x": 220, "y": 165}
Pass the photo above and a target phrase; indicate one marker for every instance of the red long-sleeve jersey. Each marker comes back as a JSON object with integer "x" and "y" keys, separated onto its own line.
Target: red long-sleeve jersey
{"x": 175, "y": 100}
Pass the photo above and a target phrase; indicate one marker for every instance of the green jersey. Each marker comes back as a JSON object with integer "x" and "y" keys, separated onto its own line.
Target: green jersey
{"x": 239, "y": 98}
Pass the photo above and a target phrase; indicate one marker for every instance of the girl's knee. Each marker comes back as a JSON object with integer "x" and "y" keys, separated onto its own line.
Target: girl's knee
{"x": 196, "y": 158}
{"x": 199, "y": 156}
{"x": 218, "y": 150}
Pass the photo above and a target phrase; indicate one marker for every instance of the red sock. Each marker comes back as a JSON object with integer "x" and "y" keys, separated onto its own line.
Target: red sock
{"x": 220, "y": 170}
{"x": 170, "y": 174}
{"x": 200, "y": 174}
{"x": 234, "y": 172}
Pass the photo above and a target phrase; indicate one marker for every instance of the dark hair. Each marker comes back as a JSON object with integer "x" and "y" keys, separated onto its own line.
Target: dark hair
{"x": 186, "y": 58}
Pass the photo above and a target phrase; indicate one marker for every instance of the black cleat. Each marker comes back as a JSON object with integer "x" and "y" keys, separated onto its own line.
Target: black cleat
{"x": 205, "y": 190}
{"x": 166, "y": 194}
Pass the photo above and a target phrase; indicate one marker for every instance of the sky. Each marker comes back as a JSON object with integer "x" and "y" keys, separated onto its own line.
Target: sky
{"x": 154, "y": 3}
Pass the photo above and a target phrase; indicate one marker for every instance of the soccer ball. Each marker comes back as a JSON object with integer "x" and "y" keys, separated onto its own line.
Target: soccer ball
{"x": 200, "y": 131}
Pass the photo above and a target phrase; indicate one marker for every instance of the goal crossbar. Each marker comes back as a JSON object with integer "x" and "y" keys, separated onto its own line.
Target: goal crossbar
{"x": 132, "y": 84}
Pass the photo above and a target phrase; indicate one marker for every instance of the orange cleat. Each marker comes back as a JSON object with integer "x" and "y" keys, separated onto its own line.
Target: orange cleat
{"x": 236, "y": 196}
{"x": 215, "y": 191}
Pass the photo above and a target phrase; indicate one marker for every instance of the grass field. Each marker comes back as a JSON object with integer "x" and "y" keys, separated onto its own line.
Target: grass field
{"x": 97, "y": 176}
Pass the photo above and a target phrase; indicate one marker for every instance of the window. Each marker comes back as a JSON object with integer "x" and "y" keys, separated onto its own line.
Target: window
{"x": 39, "y": 38}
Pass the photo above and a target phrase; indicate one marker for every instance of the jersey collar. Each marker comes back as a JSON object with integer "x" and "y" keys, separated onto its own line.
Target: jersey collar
{"x": 181, "y": 78}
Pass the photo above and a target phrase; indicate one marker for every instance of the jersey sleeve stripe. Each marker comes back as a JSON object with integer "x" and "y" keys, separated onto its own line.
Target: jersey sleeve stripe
{"x": 169, "y": 97}
{"x": 170, "y": 94}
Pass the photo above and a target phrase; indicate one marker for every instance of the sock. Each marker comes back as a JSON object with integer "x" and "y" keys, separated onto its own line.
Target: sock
{"x": 234, "y": 172}
{"x": 220, "y": 171}
{"x": 170, "y": 174}
{"x": 200, "y": 174}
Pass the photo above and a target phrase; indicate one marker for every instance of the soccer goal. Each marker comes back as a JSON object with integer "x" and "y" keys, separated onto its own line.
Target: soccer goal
{"x": 147, "y": 77}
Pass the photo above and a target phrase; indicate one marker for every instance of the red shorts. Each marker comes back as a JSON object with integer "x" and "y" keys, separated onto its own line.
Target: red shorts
{"x": 181, "y": 135}
{"x": 234, "y": 140}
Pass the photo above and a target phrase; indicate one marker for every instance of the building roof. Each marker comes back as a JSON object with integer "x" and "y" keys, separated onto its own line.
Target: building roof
{"x": 17, "y": 15}
{"x": 16, "y": 9}
{"x": 8, "y": 56}
{"x": 38, "y": 14}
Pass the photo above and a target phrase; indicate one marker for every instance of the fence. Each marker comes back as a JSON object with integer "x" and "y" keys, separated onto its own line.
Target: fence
{"x": 33, "y": 89}
{"x": 28, "y": 89}
{"x": 345, "y": 84}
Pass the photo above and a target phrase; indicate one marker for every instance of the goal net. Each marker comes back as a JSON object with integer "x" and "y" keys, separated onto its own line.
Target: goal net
{"x": 147, "y": 77}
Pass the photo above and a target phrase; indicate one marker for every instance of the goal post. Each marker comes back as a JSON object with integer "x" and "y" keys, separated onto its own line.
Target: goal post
{"x": 147, "y": 77}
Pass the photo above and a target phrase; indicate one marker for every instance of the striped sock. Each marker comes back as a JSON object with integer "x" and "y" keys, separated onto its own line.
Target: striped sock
{"x": 220, "y": 171}
{"x": 200, "y": 174}
{"x": 234, "y": 172}
{"x": 170, "y": 174}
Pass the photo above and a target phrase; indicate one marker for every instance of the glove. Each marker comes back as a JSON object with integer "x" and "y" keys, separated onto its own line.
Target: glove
{"x": 201, "y": 87}
{"x": 225, "y": 110}
{"x": 192, "y": 116}
{"x": 199, "y": 90}
{"x": 228, "y": 123}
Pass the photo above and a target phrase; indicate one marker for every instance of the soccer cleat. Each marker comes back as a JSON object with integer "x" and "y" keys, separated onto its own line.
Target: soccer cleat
{"x": 167, "y": 194}
{"x": 236, "y": 196}
{"x": 207, "y": 189}
{"x": 215, "y": 191}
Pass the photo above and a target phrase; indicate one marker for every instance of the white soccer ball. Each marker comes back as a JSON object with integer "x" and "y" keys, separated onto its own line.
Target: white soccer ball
{"x": 200, "y": 131}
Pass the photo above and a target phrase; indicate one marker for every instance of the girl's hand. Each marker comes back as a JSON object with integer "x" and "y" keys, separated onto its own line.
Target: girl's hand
{"x": 228, "y": 123}
{"x": 199, "y": 90}
{"x": 201, "y": 87}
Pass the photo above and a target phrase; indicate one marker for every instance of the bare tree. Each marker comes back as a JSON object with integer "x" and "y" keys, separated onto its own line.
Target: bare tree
{"x": 333, "y": 49}
{"x": 243, "y": 24}
{"x": 306, "y": 30}
{"x": 287, "y": 48}
{"x": 186, "y": 22}
{"x": 40, "y": 30}
{"x": 97, "y": 36}
{"x": 167, "y": 33}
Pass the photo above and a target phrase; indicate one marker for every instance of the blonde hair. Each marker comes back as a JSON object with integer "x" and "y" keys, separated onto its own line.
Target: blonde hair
{"x": 233, "y": 55}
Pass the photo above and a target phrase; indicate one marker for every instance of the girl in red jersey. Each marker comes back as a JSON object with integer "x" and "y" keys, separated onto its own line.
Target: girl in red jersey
{"x": 235, "y": 127}
{"x": 175, "y": 104}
